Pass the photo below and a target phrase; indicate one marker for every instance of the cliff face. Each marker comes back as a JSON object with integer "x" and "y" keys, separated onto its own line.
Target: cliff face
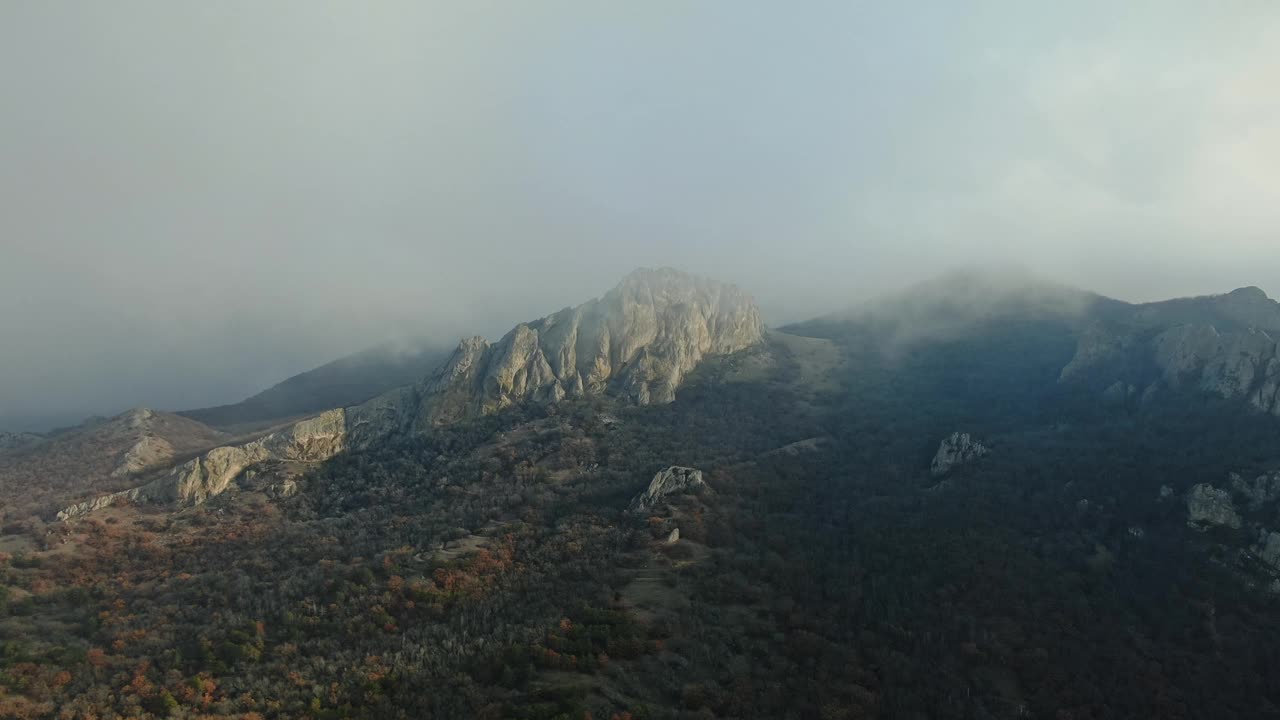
{"x": 211, "y": 473}
{"x": 637, "y": 342}
{"x": 1223, "y": 345}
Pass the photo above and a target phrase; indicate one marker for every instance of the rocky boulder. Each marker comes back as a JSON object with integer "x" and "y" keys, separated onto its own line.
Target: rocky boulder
{"x": 1208, "y": 507}
{"x": 672, "y": 481}
{"x": 958, "y": 449}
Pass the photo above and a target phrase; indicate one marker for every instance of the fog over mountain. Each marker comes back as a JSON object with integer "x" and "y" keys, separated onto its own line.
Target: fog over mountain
{"x": 200, "y": 200}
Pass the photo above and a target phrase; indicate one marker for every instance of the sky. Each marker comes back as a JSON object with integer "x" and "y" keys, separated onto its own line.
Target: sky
{"x": 200, "y": 199}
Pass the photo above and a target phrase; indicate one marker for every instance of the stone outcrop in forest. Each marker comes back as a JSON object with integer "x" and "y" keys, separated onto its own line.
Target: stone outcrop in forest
{"x": 958, "y": 449}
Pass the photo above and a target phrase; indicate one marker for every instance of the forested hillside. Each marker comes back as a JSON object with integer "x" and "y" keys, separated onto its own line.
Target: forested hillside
{"x": 491, "y": 569}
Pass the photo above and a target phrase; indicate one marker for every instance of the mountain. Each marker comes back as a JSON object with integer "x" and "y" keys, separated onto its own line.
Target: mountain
{"x": 103, "y": 454}
{"x": 652, "y": 506}
{"x": 638, "y": 342}
{"x": 1223, "y": 345}
{"x": 347, "y": 381}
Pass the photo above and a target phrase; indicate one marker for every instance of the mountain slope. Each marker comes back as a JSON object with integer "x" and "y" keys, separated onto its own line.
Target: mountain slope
{"x": 347, "y": 381}
{"x": 475, "y": 551}
{"x": 101, "y": 455}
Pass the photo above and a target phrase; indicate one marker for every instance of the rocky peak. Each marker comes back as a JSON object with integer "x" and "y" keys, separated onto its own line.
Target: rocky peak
{"x": 1251, "y": 295}
{"x": 1251, "y": 307}
{"x": 638, "y": 341}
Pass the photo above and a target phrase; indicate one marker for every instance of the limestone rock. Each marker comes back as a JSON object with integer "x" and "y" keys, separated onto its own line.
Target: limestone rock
{"x": 957, "y": 449}
{"x": 673, "y": 480}
{"x": 1259, "y": 491}
{"x": 1224, "y": 345}
{"x": 639, "y": 341}
{"x": 1182, "y": 352}
{"x": 148, "y": 452}
{"x": 102, "y": 501}
{"x": 211, "y": 473}
{"x": 1208, "y": 506}
{"x": 1268, "y": 549}
{"x": 1100, "y": 349}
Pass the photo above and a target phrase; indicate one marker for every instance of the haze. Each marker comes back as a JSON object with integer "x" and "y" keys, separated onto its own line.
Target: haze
{"x": 200, "y": 199}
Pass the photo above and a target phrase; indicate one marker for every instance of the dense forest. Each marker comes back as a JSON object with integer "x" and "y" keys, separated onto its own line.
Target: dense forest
{"x": 492, "y": 570}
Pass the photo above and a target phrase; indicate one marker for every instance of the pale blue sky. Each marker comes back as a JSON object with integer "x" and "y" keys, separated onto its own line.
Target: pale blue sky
{"x": 198, "y": 199}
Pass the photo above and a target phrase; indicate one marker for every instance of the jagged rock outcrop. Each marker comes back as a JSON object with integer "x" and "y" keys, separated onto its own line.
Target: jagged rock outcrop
{"x": 1259, "y": 491}
{"x": 195, "y": 481}
{"x": 1208, "y": 506}
{"x": 1268, "y": 548}
{"x": 639, "y": 341}
{"x": 1101, "y": 351}
{"x": 672, "y": 481}
{"x": 1232, "y": 365}
{"x": 957, "y": 449}
{"x": 100, "y": 502}
{"x": 1224, "y": 345}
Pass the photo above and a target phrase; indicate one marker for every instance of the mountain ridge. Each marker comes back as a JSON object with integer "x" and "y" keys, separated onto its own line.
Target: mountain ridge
{"x": 349, "y": 380}
{"x": 636, "y": 342}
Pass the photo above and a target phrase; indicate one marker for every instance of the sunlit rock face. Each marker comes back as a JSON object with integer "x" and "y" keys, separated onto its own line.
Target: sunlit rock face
{"x": 212, "y": 472}
{"x": 639, "y": 342}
